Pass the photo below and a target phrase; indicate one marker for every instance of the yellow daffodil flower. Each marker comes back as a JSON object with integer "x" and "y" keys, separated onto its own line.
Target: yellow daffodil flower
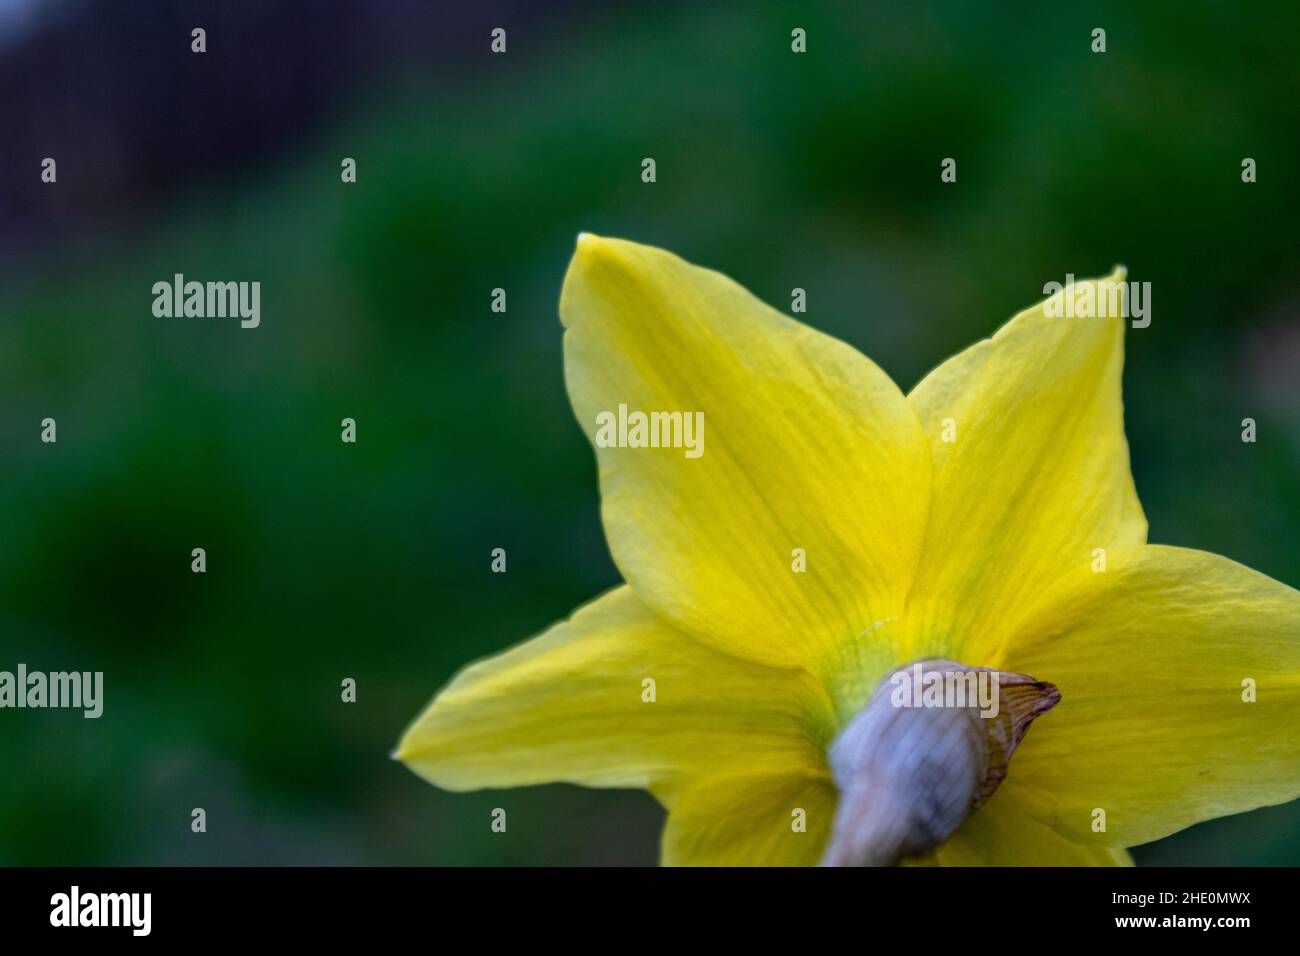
{"x": 833, "y": 531}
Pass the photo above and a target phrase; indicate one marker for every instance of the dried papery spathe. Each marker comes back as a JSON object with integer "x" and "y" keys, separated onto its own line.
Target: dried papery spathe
{"x": 909, "y": 773}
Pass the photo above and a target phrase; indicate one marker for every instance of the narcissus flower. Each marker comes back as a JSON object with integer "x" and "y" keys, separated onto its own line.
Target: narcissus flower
{"x": 834, "y": 531}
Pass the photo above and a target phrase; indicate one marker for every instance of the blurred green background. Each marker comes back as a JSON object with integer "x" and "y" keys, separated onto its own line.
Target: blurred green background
{"x": 476, "y": 171}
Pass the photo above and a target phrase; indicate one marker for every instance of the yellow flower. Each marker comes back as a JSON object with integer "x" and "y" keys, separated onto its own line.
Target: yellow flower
{"x": 967, "y": 520}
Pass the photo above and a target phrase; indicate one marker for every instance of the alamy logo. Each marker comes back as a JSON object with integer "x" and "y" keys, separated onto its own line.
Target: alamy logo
{"x": 654, "y": 430}
{"x": 917, "y": 687}
{"x": 70, "y": 689}
{"x": 1100, "y": 299}
{"x": 75, "y": 908}
{"x": 212, "y": 300}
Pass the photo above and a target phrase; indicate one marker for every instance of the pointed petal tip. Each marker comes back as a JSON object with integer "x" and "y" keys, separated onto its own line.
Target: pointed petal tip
{"x": 589, "y": 244}
{"x": 589, "y": 251}
{"x": 403, "y": 751}
{"x": 594, "y": 257}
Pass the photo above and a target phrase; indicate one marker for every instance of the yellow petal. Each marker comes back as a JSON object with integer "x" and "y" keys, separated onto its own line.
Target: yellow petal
{"x": 807, "y": 445}
{"x": 1150, "y": 657}
{"x": 1000, "y": 833}
{"x": 1036, "y": 478}
{"x": 750, "y": 819}
{"x": 740, "y": 818}
{"x": 568, "y": 706}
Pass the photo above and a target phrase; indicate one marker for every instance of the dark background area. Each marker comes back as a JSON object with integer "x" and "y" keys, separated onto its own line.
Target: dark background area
{"x": 476, "y": 171}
